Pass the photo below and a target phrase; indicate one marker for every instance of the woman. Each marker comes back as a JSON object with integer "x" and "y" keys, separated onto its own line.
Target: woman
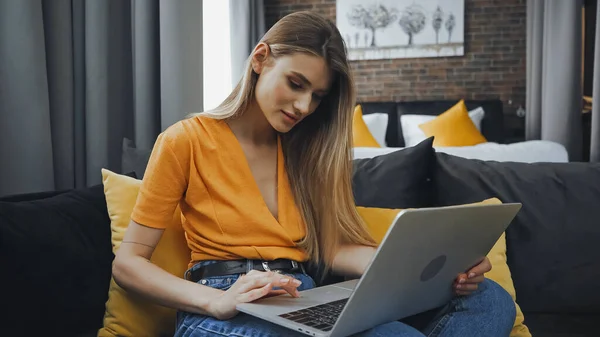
{"x": 264, "y": 182}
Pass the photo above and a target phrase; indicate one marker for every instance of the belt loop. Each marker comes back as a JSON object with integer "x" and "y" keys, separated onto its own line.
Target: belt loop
{"x": 249, "y": 265}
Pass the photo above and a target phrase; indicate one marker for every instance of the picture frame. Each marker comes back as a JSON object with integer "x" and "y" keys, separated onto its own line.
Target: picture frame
{"x": 387, "y": 29}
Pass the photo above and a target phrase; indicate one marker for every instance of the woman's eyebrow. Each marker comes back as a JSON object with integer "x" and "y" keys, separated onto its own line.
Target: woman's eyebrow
{"x": 302, "y": 78}
{"x": 307, "y": 82}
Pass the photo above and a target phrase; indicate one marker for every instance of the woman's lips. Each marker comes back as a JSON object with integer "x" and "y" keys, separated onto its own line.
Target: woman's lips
{"x": 290, "y": 116}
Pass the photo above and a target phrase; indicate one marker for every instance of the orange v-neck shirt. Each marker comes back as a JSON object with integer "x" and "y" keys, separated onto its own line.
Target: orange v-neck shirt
{"x": 198, "y": 164}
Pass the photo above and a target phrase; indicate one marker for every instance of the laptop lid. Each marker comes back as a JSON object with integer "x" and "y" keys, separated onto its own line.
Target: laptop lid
{"x": 418, "y": 260}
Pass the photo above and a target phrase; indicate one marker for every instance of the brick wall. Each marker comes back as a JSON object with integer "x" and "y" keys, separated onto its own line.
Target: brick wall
{"x": 493, "y": 65}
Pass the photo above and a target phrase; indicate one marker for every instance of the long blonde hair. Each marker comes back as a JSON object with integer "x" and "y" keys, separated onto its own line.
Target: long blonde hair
{"x": 318, "y": 154}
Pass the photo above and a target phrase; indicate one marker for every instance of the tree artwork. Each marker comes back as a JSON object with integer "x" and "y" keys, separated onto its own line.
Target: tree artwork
{"x": 436, "y": 22}
{"x": 372, "y": 18}
{"x": 412, "y": 21}
{"x": 450, "y": 23}
{"x": 388, "y": 29}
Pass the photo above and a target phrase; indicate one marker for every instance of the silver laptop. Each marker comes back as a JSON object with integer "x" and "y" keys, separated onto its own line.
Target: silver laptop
{"x": 412, "y": 271}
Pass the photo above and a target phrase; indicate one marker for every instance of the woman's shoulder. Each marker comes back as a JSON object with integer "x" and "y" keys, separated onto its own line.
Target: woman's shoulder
{"x": 189, "y": 131}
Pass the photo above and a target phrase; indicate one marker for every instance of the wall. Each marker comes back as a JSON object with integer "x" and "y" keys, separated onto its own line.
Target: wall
{"x": 493, "y": 65}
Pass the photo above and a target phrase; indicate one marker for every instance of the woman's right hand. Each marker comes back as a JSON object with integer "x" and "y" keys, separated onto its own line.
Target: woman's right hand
{"x": 250, "y": 287}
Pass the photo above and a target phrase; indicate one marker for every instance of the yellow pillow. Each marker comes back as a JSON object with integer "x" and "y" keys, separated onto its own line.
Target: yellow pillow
{"x": 126, "y": 314}
{"x": 500, "y": 273}
{"x": 361, "y": 135}
{"x": 454, "y": 127}
{"x": 378, "y": 220}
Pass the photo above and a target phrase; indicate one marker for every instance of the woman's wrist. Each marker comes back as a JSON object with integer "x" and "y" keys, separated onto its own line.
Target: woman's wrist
{"x": 206, "y": 300}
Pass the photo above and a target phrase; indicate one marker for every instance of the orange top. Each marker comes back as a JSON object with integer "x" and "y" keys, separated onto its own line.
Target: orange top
{"x": 199, "y": 164}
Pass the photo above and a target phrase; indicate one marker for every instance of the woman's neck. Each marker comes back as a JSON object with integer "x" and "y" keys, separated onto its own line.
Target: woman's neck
{"x": 252, "y": 126}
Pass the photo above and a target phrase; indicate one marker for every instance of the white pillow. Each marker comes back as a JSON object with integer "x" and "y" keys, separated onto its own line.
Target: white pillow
{"x": 413, "y": 135}
{"x": 377, "y": 125}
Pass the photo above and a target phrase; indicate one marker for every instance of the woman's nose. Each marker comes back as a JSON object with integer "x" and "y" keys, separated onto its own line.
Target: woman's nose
{"x": 302, "y": 104}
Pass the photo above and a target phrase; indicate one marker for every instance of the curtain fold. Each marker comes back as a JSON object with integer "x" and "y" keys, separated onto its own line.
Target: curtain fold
{"x": 146, "y": 58}
{"x": 58, "y": 28}
{"x": 79, "y": 134}
{"x": 247, "y": 27}
{"x": 78, "y": 76}
{"x": 595, "y": 131}
{"x": 26, "y": 155}
{"x": 535, "y": 27}
{"x": 180, "y": 59}
{"x": 554, "y": 82}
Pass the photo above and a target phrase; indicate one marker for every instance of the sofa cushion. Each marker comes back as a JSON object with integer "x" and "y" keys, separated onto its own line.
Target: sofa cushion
{"x": 552, "y": 245}
{"x": 563, "y": 325}
{"x": 56, "y": 262}
{"x": 400, "y": 179}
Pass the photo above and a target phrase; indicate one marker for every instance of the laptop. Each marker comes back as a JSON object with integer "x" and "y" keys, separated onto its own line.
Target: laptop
{"x": 412, "y": 271}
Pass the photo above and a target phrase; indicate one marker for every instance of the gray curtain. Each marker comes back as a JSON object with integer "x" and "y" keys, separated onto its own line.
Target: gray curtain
{"x": 595, "y": 133}
{"x": 79, "y": 76}
{"x": 554, "y": 82}
{"x": 247, "y": 27}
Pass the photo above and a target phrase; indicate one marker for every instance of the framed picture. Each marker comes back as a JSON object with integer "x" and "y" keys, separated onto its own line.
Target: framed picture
{"x": 385, "y": 29}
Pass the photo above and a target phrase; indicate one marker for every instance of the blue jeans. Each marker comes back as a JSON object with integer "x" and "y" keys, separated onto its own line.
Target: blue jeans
{"x": 489, "y": 311}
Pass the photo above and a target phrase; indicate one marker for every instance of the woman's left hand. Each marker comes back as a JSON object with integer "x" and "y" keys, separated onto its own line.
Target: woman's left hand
{"x": 468, "y": 282}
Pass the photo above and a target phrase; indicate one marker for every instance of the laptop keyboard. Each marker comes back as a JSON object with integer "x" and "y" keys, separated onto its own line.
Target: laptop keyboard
{"x": 321, "y": 317}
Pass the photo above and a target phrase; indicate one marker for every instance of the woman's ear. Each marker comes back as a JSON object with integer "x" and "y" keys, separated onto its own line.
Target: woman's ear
{"x": 260, "y": 55}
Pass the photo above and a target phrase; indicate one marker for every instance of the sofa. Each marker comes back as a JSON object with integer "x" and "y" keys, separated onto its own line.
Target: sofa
{"x": 56, "y": 256}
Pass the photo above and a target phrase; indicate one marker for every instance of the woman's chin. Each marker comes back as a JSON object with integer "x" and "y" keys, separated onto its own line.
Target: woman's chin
{"x": 282, "y": 127}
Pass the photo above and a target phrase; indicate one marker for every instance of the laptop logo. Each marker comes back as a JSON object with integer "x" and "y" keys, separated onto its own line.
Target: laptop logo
{"x": 433, "y": 268}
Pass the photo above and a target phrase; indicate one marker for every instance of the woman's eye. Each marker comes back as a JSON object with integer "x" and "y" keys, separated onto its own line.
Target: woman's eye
{"x": 294, "y": 85}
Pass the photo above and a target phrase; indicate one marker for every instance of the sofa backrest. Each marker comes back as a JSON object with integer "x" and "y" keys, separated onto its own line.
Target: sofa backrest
{"x": 553, "y": 245}
{"x": 56, "y": 261}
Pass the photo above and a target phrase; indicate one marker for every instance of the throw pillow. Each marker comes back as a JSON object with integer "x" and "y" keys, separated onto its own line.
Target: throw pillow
{"x": 127, "y": 314}
{"x": 412, "y": 133}
{"x": 399, "y": 179}
{"x": 378, "y": 221}
{"x": 361, "y": 135}
{"x": 55, "y": 260}
{"x": 377, "y": 124}
{"x": 501, "y": 274}
{"x": 453, "y": 128}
